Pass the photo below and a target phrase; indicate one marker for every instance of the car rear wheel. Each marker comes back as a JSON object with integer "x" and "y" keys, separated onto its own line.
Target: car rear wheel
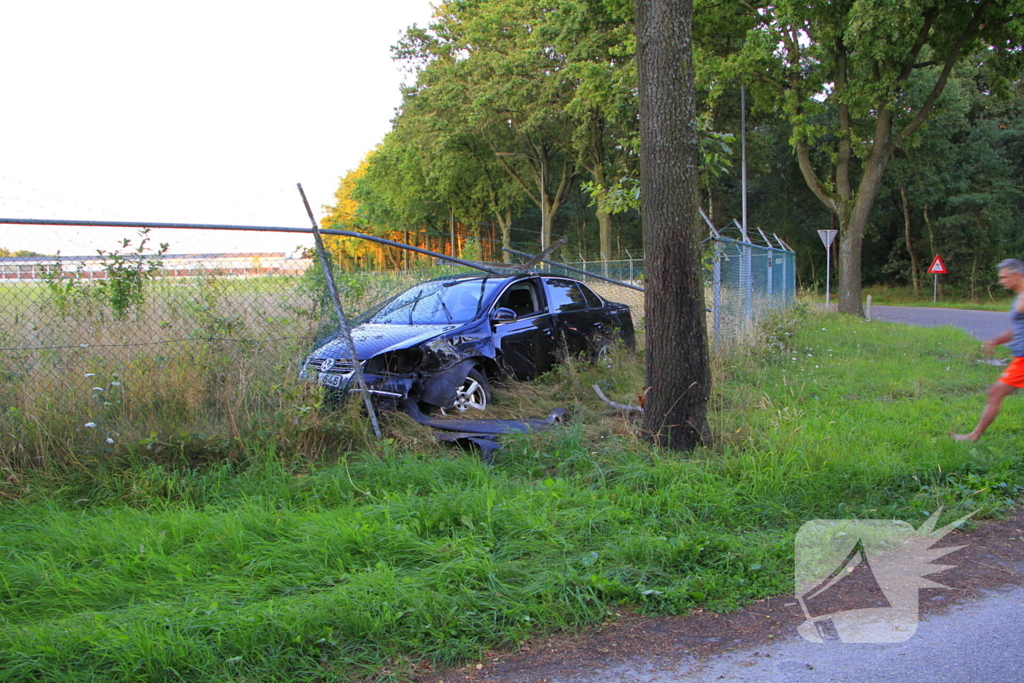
{"x": 474, "y": 393}
{"x": 601, "y": 352}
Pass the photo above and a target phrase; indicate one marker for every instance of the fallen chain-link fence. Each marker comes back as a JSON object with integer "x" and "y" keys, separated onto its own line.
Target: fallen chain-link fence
{"x": 152, "y": 346}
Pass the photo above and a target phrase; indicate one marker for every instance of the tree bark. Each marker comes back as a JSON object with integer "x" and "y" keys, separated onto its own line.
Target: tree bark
{"x": 908, "y": 235}
{"x": 604, "y": 223}
{"x": 931, "y": 241}
{"x": 505, "y": 225}
{"x": 594, "y": 163}
{"x": 678, "y": 369}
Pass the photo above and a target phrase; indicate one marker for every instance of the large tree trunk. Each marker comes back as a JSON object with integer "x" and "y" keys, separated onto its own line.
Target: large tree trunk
{"x": 851, "y": 235}
{"x": 678, "y": 370}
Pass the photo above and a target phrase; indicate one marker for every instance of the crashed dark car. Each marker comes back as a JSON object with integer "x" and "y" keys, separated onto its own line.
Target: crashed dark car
{"x": 441, "y": 342}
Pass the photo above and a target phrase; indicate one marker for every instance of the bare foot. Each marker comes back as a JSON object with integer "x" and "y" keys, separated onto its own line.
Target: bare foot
{"x": 963, "y": 437}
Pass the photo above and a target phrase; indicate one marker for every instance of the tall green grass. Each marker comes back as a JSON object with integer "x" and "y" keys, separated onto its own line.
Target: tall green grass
{"x": 259, "y": 569}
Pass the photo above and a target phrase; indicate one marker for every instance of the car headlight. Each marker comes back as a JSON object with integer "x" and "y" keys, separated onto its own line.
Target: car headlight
{"x": 397, "y": 363}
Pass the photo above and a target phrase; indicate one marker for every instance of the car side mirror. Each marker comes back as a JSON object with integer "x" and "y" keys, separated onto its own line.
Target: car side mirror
{"x": 503, "y": 315}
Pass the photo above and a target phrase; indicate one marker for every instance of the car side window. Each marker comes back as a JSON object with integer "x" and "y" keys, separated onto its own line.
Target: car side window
{"x": 565, "y": 296}
{"x": 521, "y": 297}
{"x": 593, "y": 300}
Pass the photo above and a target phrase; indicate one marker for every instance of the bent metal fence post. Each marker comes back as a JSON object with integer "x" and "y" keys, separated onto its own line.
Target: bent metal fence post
{"x": 343, "y": 330}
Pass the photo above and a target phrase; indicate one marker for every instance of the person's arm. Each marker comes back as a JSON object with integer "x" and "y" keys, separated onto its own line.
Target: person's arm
{"x": 1004, "y": 338}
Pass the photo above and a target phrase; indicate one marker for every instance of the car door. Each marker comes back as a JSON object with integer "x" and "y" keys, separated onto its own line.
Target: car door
{"x": 578, "y": 322}
{"x": 525, "y": 346}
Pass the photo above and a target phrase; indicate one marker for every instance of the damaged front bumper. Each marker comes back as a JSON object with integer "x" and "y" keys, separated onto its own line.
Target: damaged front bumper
{"x": 430, "y": 371}
{"x": 436, "y": 388}
{"x": 339, "y": 378}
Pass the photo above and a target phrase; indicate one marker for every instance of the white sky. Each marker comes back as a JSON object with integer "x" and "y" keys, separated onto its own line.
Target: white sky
{"x": 188, "y": 111}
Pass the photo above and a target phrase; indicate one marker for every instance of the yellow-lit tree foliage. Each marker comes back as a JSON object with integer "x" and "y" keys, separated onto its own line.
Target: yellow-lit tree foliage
{"x": 352, "y": 253}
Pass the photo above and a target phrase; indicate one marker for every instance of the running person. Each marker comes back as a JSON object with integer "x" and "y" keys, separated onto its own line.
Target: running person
{"x": 1011, "y": 276}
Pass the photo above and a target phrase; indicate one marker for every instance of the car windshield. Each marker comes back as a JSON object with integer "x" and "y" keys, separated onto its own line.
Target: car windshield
{"x": 436, "y": 303}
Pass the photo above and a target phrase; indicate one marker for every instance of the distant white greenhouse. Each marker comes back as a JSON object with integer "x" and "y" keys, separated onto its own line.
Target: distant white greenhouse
{"x": 33, "y": 268}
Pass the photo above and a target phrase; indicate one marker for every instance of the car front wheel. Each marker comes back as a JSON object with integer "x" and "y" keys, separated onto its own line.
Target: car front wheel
{"x": 474, "y": 393}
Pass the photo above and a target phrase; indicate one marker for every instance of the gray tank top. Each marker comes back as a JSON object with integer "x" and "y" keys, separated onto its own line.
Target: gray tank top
{"x": 1017, "y": 325}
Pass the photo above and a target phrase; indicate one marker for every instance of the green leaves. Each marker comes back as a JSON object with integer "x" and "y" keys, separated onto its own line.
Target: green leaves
{"x": 126, "y": 272}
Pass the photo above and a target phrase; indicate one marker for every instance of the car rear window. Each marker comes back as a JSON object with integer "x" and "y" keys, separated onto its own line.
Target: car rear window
{"x": 565, "y": 296}
{"x": 593, "y": 300}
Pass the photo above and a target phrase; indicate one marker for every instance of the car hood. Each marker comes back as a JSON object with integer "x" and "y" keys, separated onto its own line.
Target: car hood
{"x": 372, "y": 339}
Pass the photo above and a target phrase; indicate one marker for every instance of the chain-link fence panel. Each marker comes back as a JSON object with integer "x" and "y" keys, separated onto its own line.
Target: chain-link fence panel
{"x": 142, "y": 348}
{"x": 149, "y": 346}
{"x": 743, "y": 282}
{"x": 136, "y": 346}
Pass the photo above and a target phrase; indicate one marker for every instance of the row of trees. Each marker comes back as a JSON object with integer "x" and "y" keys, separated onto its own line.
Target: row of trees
{"x": 514, "y": 105}
{"x": 897, "y": 123}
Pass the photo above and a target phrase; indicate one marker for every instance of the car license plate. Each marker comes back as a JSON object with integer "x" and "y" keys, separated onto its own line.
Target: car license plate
{"x": 329, "y": 380}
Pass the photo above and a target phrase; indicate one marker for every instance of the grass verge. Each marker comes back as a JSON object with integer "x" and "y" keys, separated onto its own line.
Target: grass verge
{"x": 994, "y": 298}
{"x": 412, "y": 556}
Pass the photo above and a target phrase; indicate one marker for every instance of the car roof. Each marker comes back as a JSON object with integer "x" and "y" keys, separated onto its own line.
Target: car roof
{"x": 510, "y": 278}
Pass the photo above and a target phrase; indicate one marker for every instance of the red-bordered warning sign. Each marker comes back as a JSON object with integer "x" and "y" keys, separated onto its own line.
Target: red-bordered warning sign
{"x": 937, "y": 266}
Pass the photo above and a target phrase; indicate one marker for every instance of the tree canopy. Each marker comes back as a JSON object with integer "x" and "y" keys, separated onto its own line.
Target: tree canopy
{"x": 897, "y": 123}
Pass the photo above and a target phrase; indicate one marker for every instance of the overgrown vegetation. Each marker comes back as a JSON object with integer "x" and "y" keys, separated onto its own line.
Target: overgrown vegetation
{"x": 193, "y": 368}
{"x": 402, "y": 555}
{"x": 125, "y": 271}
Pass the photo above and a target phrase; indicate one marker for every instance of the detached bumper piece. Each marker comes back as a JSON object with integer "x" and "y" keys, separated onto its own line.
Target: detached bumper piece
{"x": 480, "y": 433}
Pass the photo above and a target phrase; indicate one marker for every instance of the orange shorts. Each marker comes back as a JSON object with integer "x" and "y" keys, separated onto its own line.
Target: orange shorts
{"x": 1014, "y": 373}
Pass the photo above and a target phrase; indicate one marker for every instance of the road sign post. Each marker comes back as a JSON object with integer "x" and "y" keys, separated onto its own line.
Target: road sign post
{"x": 827, "y": 237}
{"x": 935, "y": 268}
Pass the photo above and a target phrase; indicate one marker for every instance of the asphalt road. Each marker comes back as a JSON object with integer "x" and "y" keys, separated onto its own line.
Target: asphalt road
{"x": 982, "y": 324}
{"x": 975, "y": 642}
